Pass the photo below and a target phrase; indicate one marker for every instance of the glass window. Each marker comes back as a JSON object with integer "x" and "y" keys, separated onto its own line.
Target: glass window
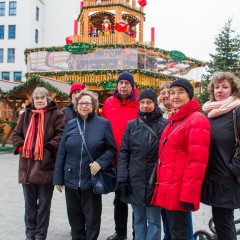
{"x": 11, "y": 31}
{"x": 17, "y": 76}
{"x": 1, "y": 55}
{"x": 1, "y": 31}
{"x": 12, "y": 8}
{"x": 36, "y": 36}
{"x": 11, "y": 55}
{"x": 37, "y": 13}
{"x": 6, "y": 75}
{"x": 2, "y": 8}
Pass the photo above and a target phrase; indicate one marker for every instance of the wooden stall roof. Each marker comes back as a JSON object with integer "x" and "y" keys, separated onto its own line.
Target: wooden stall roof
{"x": 6, "y": 86}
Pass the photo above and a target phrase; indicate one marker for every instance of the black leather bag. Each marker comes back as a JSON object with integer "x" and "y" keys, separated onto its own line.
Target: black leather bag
{"x": 105, "y": 181}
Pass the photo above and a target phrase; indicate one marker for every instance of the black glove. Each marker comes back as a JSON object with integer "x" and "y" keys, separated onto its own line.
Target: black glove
{"x": 124, "y": 188}
{"x": 188, "y": 206}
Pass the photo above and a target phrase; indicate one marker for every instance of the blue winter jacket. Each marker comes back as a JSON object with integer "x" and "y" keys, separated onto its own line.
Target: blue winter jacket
{"x": 72, "y": 164}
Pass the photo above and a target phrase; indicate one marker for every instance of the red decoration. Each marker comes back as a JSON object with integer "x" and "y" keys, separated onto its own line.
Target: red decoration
{"x": 152, "y": 34}
{"x": 142, "y": 3}
{"x": 69, "y": 39}
{"x": 121, "y": 28}
{"x": 81, "y": 5}
{"x": 75, "y": 27}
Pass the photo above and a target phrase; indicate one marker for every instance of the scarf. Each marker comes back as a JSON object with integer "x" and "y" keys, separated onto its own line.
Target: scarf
{"x": 218, "y": 108}
{"x": 28, "y": 143}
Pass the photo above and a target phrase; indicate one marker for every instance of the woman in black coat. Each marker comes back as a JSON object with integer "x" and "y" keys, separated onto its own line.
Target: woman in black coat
{"x": 73, "y": 167}
{"x": 138, "y": 155}
{"x": 220, "y": 188}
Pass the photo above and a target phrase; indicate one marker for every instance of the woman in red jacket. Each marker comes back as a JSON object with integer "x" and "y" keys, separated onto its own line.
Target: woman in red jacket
{"x": 183, "y": 157}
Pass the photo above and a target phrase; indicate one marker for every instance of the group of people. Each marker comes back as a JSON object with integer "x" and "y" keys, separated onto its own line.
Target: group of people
{"x": 169, "y": 157}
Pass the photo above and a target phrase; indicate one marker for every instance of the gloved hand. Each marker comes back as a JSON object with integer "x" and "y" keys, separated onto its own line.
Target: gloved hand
{"x": 59, "y": 188}
{"x": 94, "y": 168}
{"x": 124, "y": 188}
{"x": 188, "y": 206}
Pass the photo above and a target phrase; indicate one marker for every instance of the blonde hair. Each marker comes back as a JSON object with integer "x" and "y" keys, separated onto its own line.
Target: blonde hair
{"x": 92, "y": 95}
{"x": 163, "y": 85}
{"x": 221, "y": 76}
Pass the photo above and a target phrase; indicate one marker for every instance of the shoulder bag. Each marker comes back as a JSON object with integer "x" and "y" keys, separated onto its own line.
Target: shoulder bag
{"x": 237, "y": 142}
{"x": 105, "y": 181}
{"x": 152, "y": 178}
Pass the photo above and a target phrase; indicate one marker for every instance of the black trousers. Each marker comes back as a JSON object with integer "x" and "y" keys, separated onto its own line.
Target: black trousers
{"x": 120, "y": 215}
{"x": 178, "y": 222}
{"x": 38, "y": 199}
{"x": 223, "y": 219}
{"x": 84, "y": 210}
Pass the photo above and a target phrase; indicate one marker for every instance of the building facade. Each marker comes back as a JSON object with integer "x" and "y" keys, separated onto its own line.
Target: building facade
{"x": 31, "y": 24}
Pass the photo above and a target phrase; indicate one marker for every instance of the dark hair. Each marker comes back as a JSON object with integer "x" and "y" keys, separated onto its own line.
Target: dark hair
{"x": 221, "y": 76}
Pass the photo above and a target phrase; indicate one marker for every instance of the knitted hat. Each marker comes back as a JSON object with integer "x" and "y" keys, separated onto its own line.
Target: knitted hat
{"x": 184, "y": 83}
{"x": 76, "y": 86}
{"x": 126, "y": 76}
{"x": 148, "y": 93}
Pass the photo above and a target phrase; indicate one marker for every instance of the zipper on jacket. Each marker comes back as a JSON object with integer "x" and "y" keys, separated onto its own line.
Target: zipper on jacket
{"x": 80, "y": 165}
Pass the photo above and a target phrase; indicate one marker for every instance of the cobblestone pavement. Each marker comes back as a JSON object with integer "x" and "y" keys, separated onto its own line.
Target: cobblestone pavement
{"x": 12, "y": 209}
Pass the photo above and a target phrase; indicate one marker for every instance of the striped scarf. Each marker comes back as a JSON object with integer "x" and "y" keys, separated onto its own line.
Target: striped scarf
{"x": 29, "y": 139}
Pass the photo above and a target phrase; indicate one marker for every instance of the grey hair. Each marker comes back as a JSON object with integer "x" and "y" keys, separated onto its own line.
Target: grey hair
{"x": 91, "y": 94}
{"x": 42, "y": 91}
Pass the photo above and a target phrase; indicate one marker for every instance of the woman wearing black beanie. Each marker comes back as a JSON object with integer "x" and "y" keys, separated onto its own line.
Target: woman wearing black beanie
{"x": 137, "y": 158}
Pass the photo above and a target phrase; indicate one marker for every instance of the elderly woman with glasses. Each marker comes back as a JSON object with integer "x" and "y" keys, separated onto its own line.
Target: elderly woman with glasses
{"x": 183, "y": 158}
{"x": 73, "y": 167}
{"x": 36, "y": 139}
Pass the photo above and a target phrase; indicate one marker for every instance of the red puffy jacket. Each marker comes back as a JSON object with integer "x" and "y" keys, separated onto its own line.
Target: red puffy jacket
{"x": 119, "y": 113}
{"x": 182, "y": 159}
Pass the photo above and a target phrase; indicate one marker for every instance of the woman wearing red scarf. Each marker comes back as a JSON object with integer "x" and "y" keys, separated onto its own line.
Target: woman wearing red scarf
{"x": 220, "y": 188}
{"x": 36, "y": 139}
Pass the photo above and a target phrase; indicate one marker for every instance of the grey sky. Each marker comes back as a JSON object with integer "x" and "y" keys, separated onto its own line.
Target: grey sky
{"x": 189, "y": 26}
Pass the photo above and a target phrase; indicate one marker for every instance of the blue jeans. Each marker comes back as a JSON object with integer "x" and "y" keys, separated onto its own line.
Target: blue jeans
{"x": 147, "y": 222}
{"x": 167, "y": 235}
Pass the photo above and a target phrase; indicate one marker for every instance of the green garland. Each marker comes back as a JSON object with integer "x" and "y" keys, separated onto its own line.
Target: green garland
{"x": 195, "y": 62}
{"x": 35, "y": 78}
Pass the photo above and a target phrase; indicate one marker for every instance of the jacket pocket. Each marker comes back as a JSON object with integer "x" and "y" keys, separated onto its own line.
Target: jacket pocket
{"x": 68, "y": 173}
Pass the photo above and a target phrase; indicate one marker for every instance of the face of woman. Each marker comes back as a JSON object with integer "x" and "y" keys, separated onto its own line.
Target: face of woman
{"x": 165, "y": 98}
{"x": 40, "y": 101}
{"x": 84, "y": 106}
{"x": 178, "y": 97}
{"x": 222, "y": 90}
{"x": 146, "y": 105}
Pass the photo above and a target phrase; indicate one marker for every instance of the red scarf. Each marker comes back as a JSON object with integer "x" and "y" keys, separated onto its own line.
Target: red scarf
{"x": 28, "y": 143}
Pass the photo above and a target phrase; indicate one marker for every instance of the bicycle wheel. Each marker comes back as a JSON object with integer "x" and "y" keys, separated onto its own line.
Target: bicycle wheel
{"x": 202, "y": 235}
{"x": 212, "y": 226}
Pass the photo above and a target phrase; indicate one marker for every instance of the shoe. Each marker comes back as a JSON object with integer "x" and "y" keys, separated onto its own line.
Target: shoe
{"x": 115, "y": 236}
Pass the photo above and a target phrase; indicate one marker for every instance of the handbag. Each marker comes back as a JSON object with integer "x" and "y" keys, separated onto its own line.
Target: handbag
{"x": 237, "y": 142}
{"x": 105, "y": 181}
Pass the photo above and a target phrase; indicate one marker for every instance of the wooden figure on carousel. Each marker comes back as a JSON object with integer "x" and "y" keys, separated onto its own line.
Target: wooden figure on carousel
{"x": 133, "y": 31}
{"x": 122, "y": 26}
{"x": 106, "y": 26}
{"x": 91, "y": 28}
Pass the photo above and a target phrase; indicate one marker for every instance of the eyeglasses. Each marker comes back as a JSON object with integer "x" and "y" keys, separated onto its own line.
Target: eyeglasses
{"x": 76, "y": 91}
{"x": 81, "y": 104}
{"x": 147, "y": 103}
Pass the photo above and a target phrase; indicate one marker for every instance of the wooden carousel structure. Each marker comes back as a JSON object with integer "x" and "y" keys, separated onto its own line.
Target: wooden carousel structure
{"x": 108, "y": 39}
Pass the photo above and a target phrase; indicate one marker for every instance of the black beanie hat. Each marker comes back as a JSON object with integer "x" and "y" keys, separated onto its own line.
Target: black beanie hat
{"x": 126, "y": 76}
{"x": 148, "y": 93}
{"x": 184, "y": 83}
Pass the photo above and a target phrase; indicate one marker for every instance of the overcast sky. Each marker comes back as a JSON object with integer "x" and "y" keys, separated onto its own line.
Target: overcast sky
{"x": 189, "y": 26}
